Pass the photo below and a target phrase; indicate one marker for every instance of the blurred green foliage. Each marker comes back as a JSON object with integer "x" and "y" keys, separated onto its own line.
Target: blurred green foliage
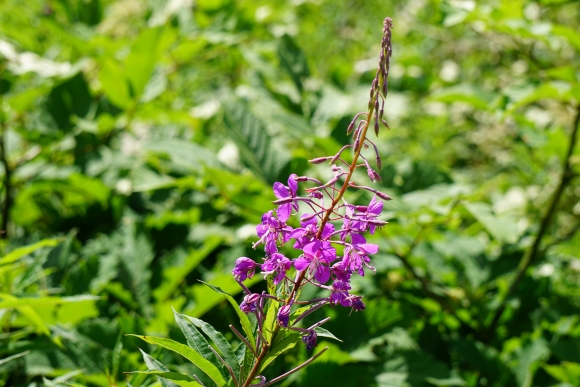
{"x": 139, "y": 140}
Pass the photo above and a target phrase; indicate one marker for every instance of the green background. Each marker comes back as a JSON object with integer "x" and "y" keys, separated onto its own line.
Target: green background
{"x": 140, "y": 140}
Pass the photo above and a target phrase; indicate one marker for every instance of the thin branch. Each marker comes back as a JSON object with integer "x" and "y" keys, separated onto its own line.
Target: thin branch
{"x": 225, "y": 364}
{"x": 243, "y": 339}
{"x": 532, "y": 252}
{"x": 275, "y": 380}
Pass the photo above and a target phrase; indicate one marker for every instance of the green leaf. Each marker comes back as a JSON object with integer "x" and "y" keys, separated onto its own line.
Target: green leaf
{"x": 293, "y": 61}
{"x": 174, "y": 276}
{"x": 284, "y": 341}
{"x": 115, "y": 85}
{"x": 504, "y": 229}
{"x": 204, "y": 365}
{"x": 321, "y": 332}
{"x": 197, "y": 341}
{"x": 257, "y": 147}
{"x": 20, "y": 252}
{"x": 152, "y": 365}
{"x": 468, "y": 94}
{"x": 270, "y": 321}
{"x": 140, "y": 62}
{"x": 221, "y": 343}
{"x": 244, "y": 320}
{"x": 13, "y": 357}
{"x": 174, "y": 377}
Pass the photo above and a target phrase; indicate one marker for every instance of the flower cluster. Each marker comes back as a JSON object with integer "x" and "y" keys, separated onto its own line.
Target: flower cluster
{"x": 330, "y": 225}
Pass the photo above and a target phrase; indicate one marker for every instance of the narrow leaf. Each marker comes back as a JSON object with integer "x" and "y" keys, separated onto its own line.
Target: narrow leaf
{"x": 174, "y": 377}
{"x": 220, "y": 342}
{"x": 285, "y": 341}
{"x": 321, "y": 332}
{"x": 244, "y": 320}
{"x": 204, "y": 365}
{"x": 197, "y": 341}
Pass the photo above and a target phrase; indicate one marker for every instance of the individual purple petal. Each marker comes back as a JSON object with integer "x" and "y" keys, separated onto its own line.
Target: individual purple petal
{"x": 301, "y": 263}
{"x": 292, "y": 184}
{"x": 322, "y": 274}
{"x": 284, "y": 211}
{"x": 280, "y": 190}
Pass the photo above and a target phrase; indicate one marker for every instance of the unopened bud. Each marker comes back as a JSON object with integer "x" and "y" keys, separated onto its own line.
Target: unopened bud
{"x": 377, "y": 128}
{"x": 350, "y": 128}
{"x": 383, "y": 196}
{"x": 378, "y": 223}
{"x": 379, "y": 162}
{"x": 361, "y": 208}
{"x": 318, "y": 160}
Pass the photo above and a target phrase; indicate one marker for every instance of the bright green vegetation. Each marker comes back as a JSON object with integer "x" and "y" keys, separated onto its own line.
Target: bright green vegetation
{"x": 140, "y": 140}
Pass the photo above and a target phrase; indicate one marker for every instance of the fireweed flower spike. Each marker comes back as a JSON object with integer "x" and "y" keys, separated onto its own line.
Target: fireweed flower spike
{"x": 329, "y": 221}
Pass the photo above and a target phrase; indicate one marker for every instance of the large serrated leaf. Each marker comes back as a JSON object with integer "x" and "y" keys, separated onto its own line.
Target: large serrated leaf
{"x": 221, "y": 343}
{"x": 244, "y": 320}
{"x": 293, "y": 61}
{"x": 204, "y": 365}
{"x": 257, "y": 149}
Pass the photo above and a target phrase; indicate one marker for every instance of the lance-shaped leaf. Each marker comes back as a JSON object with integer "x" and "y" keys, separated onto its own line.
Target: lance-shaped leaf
{"x": 244, "y": 320}
{"x": 197, "y": 341}
{"x": 152, "y": 365}
{"x": 175, "y": 377}
{"x": 284, "y": 341}
{"x": 220, "y": 342}
{"x": 203, "y": 364}
{"x": 321, "y": 332}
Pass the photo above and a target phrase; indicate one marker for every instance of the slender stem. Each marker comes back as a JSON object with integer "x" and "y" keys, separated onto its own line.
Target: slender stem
{"x": 275, "y": 380}
{"x": 532, "y": 252}
{"x": 241, "y": 337}
{"x": 225, "y": 364}
{"x": 7, "y": 181}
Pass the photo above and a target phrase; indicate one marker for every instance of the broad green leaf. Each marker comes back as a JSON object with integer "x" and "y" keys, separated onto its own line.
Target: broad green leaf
{"x": 257, "y": 148}
{"x": 244, "y": 320}
{"x": 190, "y": 354}
{"x": 20, "y": 252}
{"x": 465, "y": 93}
{"x": 115, "y": 84}
{"x": 283, "y": 341}
{"x": 140, "y": 62}
{"x": 504, "y": 229}
{"x": 15, "y": 302}
{"x": 221, "y": 343}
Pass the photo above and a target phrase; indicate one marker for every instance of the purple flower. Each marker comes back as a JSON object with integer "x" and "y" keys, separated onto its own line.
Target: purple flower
{"x": 284, "y": 315}
{"x": 281, "y": 191}
{"x": 340, "y": 272}
{"x": 250, "y": 303}
{"x": 365, "y": 214}
{"x": 308, "y": 231}
{"x": 310, "y": 340}
{"x": 340, "y": 294}
{"x": 277, "y": 263}
{"x": 272, "y": 230}
{"x": 244, "y": 268}
{"x": 316, "y": 258}
{"x": 355, "y": 255}
{"x": 357, "y": 304}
